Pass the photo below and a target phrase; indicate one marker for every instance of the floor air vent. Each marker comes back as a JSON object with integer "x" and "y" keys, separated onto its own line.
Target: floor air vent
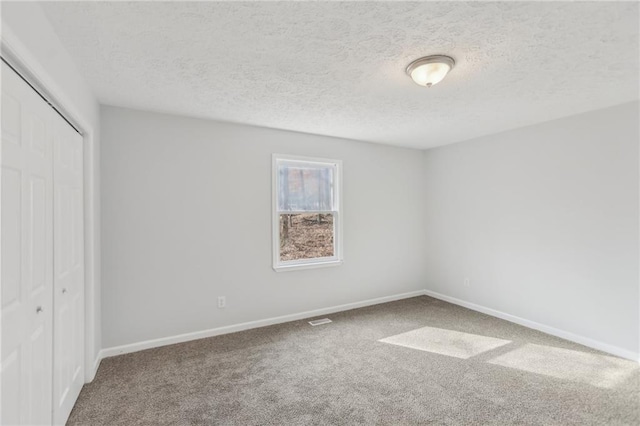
{"x": 320, "y": 321}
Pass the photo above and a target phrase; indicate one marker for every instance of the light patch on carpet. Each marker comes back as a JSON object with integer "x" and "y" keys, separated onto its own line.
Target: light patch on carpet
{"x": 594, "y": 369}
{"x": 445, "y": 342}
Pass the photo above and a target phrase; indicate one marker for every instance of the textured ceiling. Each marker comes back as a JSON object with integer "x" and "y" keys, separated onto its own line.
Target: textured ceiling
{"x": 338, "y": 68}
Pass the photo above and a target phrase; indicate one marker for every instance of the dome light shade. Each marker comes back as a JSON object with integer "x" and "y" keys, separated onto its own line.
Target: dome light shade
{"x": 430, "y": 70}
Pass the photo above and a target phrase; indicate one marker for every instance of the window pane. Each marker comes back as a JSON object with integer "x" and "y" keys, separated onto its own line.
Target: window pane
{"x": 305, "y": 187}
{"x": 306, "y": 236}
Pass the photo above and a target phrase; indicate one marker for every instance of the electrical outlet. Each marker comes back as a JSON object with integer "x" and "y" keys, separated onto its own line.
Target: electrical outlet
{"x": 467, "y": 283}
{"x": 222, "y": 301}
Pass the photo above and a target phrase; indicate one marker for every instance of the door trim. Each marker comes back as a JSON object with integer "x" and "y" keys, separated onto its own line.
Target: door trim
{"x": 16, "y": 54}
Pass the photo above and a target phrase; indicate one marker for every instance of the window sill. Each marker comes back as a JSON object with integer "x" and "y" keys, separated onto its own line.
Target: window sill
{"x": 310, "y": 265}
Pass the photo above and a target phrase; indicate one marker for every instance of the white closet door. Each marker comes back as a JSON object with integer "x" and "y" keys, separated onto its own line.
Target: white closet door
{"x": 27, "y": 254}
{"x": 68, "y": 334}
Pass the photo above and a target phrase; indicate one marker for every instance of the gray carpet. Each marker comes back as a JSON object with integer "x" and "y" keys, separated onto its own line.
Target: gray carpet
{"x": 415, "y": 361}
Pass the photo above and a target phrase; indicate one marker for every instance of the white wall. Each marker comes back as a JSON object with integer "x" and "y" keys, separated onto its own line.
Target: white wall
{"x": 28, "y": 35}
{"x": 543, "y": 220}
{"x": 187, "y": 217}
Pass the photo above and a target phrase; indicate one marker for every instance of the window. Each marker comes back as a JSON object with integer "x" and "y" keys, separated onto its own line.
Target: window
{"x": 307, "y": 226}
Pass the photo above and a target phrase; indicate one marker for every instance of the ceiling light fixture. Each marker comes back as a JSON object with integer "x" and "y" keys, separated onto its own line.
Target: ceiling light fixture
{"x": 430, "y": 70}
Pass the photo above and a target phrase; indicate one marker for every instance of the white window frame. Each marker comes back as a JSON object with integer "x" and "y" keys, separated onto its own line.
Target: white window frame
{"x": 318, "y": 262}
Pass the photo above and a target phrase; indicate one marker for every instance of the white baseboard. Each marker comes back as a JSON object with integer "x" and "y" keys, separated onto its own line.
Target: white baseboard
{"x": 170, "y": 340}
{"x": 595, "y": 344}
{"x": 96, "y": 364}
{"x": 93, "y": 368}
{"x": 148, "y": 344}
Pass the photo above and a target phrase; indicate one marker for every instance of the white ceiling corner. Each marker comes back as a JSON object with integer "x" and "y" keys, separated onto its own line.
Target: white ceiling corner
{"x": 337, "y": 68}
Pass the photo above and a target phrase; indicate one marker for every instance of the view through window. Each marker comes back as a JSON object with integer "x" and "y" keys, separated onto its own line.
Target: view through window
{"x": 307, "y": 211}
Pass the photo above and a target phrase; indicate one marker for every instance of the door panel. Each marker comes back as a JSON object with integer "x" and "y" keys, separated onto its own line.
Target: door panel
{"x": 11, "y": 229}
{"x": 69, "y": 270}
{"x": 11, "y": 117}
{"x": 39, "y": 376}
{"x": 37, "y": 247}
{"x": 27, "y": 254}
{"x": 11, "y": 370}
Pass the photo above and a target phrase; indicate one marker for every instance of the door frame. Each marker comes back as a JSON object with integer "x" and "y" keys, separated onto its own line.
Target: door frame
{"x": 14, "y": 52}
